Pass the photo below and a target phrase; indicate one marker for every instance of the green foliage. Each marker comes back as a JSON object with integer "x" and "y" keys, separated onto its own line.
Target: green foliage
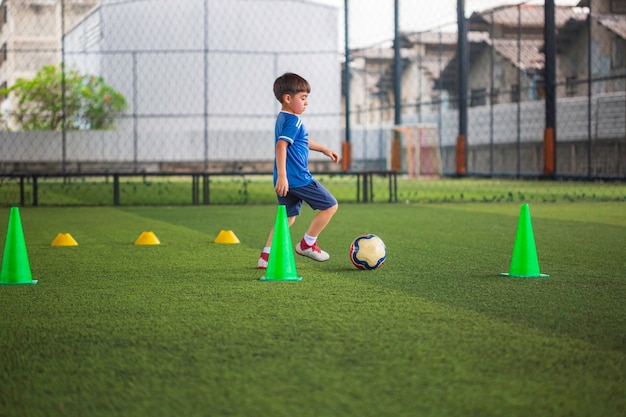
{"x": 89, "y": 102}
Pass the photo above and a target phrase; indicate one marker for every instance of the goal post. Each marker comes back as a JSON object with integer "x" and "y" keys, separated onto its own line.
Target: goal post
{"x": 418, "y": 152}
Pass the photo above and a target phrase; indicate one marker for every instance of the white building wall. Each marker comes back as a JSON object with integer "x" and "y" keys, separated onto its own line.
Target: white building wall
{"x": 154, "y": 53}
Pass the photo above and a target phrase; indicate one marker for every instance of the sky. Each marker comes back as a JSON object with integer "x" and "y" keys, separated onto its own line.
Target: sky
{"x": 371, "y": 21}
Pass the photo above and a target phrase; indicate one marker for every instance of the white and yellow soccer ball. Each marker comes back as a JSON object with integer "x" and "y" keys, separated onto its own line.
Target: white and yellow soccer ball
{"x": 368, "y": 252}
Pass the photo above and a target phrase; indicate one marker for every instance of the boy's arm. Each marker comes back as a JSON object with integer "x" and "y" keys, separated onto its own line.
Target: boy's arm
{"x": 282, "y": 184}
{"x": 314, "y": 146}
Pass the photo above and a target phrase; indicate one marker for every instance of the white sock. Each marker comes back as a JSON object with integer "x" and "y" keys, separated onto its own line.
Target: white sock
{"x": 310, "y": 240}
{"x": 266, "y": 249}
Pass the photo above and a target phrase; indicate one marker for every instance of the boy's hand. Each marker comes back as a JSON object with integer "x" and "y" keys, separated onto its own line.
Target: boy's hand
{"x": 332, "y": 155}
{"x": 282, "y": 186}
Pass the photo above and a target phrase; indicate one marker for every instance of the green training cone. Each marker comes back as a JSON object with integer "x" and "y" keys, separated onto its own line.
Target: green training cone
{"x": 281, "y": 265}
{"x": 524, "y": 261}
{"x": 15, "y": 266}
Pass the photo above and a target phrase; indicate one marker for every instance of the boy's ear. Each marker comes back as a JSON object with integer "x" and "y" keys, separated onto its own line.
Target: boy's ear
{"x": 286, "y": 98}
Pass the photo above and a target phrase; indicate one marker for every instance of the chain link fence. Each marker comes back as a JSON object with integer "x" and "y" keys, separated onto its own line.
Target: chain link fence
{"x": 91, "y": 90}
{"x": 505, "y": 90}
{"x": 196, "y": 76}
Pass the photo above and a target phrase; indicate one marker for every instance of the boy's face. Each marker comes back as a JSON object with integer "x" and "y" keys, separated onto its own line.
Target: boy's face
{"x": 295, "y": 103}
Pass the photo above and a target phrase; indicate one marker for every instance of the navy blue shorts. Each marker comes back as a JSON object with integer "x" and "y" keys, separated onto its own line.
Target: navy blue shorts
{"x": 314, "y": 194}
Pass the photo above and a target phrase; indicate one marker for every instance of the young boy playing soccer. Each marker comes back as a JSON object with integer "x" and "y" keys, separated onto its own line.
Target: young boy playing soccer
{"x": 293, "y": 181}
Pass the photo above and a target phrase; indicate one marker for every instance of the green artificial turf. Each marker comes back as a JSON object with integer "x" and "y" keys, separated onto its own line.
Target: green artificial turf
{"x": 257, "y": 189}
{"x": 186, "y": 328}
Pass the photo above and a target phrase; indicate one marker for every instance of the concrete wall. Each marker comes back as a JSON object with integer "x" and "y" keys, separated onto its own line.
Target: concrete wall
{"x": 249, "y": 149}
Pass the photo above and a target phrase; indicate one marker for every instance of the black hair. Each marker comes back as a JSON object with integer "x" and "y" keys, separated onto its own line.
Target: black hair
{"x": 290, "y": 83}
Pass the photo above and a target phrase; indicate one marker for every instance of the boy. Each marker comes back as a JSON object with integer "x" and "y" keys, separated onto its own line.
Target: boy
{"x": 293, "y": 181}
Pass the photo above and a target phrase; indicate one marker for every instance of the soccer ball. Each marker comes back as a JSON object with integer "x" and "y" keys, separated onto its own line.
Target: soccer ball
{"x": 368, "y": 252}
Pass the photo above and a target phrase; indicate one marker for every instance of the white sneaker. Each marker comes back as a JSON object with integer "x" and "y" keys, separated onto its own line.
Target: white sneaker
{"x": 263, "y": 259}
{"x": 313, "y": 252}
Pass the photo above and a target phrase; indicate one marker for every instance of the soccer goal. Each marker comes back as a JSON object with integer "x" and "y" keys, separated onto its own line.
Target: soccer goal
{"x": 414, "y": 150}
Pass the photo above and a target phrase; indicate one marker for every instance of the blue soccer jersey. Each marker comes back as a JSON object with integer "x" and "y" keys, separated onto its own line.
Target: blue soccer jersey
{"x": 289, "y": 128}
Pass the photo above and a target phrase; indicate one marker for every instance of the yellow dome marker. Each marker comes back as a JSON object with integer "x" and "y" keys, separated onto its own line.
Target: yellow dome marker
{"x": 147, "y": 238}
{"x": 64, "y": 239}
{"x": 226, "y": 236}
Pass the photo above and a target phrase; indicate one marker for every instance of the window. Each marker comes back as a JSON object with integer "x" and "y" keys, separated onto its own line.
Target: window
{"x": 570, "y": 86}
{"x": 515, "y": 93}
{"x": 618, "y": 6}
{"x": 435, "y": 101}
{"x": 495, "y": 96}
{"x": 540, "y": 89}
{"x": 3, "y": 54}
{"x": 478, "y": 97}
{"x": 618, "y": 46}
{"x": 3, "y": 15}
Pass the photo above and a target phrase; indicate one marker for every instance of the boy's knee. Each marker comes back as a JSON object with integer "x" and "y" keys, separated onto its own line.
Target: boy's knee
{"x": 333, "y": 209}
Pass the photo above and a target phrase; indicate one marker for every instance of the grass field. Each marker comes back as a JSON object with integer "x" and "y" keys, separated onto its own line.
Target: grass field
{"x": 186, "y": 328}
{"x": 257, "y": 189}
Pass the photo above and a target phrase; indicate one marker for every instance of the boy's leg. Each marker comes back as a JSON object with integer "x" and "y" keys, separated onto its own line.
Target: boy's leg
{"x": 319, "y": 198}
{"x": 308, "y": 245}
{"x": 265, "y": 253}
{"x": 321, "y": 220}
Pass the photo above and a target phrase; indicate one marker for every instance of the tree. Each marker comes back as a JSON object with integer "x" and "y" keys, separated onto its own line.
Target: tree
{"x": 89, "y": 102}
